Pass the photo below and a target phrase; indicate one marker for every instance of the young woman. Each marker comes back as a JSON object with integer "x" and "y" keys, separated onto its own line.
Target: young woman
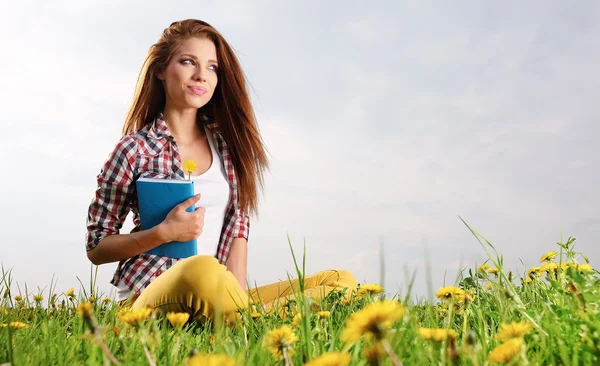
{"x": 190, "y": 103}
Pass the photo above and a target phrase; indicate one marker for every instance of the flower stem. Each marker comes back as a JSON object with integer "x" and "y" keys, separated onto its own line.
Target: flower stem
{"x": 390, "y": 352}
{"x": 286, "y": 356}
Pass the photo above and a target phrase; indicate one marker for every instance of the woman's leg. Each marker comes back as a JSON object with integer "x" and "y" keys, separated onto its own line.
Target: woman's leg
{"x": 317, "y": 285}
{"x": 198, "y": 285}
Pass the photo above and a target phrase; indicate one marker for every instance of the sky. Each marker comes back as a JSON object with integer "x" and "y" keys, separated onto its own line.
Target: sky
{"x": 386, "y": 123}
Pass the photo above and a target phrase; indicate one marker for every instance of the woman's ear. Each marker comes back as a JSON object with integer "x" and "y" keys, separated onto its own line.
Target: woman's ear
{"x": 160, "y": 74}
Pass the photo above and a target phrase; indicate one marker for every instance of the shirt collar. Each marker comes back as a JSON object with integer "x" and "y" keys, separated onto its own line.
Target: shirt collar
{"x": 159, "y": 128}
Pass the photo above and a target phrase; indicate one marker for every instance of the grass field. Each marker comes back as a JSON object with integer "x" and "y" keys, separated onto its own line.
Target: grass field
{"x": 546, "y": 316}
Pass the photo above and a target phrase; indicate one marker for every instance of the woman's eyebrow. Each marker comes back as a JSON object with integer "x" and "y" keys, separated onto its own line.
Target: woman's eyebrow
{"x": 196, "y": 58}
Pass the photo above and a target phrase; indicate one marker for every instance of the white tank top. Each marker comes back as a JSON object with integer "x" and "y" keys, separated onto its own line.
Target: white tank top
{"x": 214, "y": 196}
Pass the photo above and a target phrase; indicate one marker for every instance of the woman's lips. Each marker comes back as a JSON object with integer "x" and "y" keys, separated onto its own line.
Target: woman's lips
{"x": 198, "y": 90}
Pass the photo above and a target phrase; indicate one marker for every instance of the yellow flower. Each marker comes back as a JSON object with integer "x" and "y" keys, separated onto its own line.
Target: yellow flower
{"x": 528, "y": 280}
{"x": 92, "y": 299}
{"x": 323, "y": 314}
{"x": 372, "y": 289}
{"x": 280, "y": 339}
{"x": 506, "y": 351}
{"x": 106, "y": 300}
{"x": 489, "y": 286}
{"x": 584, "y": 267}
{"x": 297, "y": 319}
{"x": 549, "y": 267}
{"x": 345, "y": 301}
{"x": 453, "y": 292}
{"x": 372, "y": 321}
{"x": 178, "y": 319}
{"x": 513, "y": 330}
{"x": 203, "y": 359}
{"x": 548, "y": 257}
{"x": 534, "y": 271}
{"x": 18, "y": 298}
{"x": 256, "y": 315}
{"x": 374, "y": 354}
{"x": 70, "y": 292}
{"x": 437, "y": 334}
{"x": 330, "y": 359}
{"x": 484, "y": 268}
{"x": 15, "y": 325}
{"x": 493, "y": 270}
{"x": 189, "y": 166}
{"x": 38, "y": 298}
{"x": 134, "y": 317}
{"x": 84, "y": 309}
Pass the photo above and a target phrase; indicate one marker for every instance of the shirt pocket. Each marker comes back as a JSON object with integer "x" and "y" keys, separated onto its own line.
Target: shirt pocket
{"x": 159, "y": 165}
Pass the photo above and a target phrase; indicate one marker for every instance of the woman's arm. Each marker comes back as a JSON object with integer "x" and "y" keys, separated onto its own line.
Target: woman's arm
{"x": 238, "y": 260}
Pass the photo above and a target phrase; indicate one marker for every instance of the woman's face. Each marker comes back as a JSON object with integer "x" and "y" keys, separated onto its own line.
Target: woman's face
{"x": 190, "y": 78}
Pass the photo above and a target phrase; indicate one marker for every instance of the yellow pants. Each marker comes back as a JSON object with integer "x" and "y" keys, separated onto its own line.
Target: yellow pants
{"x": 203, "y": 287}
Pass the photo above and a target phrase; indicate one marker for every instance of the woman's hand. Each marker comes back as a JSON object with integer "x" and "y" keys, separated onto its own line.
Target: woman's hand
{"x": 180, "y": 225}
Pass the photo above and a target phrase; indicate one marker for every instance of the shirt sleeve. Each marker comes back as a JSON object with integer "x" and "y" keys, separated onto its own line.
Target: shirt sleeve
{"x": 111, "y": 203}
{"x": 241, "y": 227}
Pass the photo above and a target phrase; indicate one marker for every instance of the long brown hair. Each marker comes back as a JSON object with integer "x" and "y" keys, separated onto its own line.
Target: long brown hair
{"x": 229, "y": 106}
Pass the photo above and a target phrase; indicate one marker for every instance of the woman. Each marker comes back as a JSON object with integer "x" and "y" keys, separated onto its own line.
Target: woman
{"x": 190, "y": 103}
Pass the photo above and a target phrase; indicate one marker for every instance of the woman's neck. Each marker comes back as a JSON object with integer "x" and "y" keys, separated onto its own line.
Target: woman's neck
{"x": 182, "y": 124}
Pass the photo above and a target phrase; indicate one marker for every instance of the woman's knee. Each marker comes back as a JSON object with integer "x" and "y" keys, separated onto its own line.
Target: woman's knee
{"x": 338, "y": 278}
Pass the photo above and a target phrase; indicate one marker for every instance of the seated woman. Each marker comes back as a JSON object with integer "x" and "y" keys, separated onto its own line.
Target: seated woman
{"x": 190, "y": 103}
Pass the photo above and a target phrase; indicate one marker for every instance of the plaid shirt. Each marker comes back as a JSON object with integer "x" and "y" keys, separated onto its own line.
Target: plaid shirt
{"x": 151, "y": 152}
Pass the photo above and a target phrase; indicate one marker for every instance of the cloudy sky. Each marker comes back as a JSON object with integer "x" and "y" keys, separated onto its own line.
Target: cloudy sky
{"x": 385, "y": 123}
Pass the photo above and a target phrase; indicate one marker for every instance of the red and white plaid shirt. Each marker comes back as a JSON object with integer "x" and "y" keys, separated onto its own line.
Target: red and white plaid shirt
{"x": 151, "y": 152}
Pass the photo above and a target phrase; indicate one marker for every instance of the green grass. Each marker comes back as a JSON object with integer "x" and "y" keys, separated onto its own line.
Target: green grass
{"x": 562, "y": 307}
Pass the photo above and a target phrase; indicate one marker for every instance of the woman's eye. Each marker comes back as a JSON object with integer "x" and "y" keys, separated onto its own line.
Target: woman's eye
{"x": 214, "y": 68}
{"x": 187, "y": 61}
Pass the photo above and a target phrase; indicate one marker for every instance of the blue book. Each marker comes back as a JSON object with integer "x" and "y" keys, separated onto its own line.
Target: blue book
{"x": 156, "y": 198}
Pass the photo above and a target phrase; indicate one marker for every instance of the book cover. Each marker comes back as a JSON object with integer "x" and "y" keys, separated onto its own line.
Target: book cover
{"x": 156, "y": 198}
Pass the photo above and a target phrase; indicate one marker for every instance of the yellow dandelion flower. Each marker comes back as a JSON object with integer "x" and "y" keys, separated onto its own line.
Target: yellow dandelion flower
{"x": 371, "y": 289}
{"x": 345, "y": 301}
{"x": 70, "y": 292}
{"x": 528, "y": 280}
{"x": 372, "y": 321}
{"x": 323, "y": 314}
{"x": 15, "y": 325}
{"x": 448, "y": 292}
{"x": 92, "y": 299}
{"x": 280, "y": 339}
{"x": 38, "y": 298}
{"x": 189, "y": 166}
{"x": 513, "y": 330}
{"x": 106, "y": 300}
{"x": 178, "y": 319}
{"x": 489, "y": 286}
{"x": 85, "y": 309}
{"x": 134, "y": 317}
{"x": 534, "y": 271}
{"x": 548, "y": 267}
{"x": 256, "y": 315}
{"x": 297, "y": 319}
{"x": 484, "y": 268}
{"x": 506, "y": 351}
{"x": 584, "y": 267}
{"x": 548, "y": 257}
{"x": 330, "y": 359}
{"x": 437, "y": 334}
{"x": 203, "y": 359}
{"x": 493, "y": 270}
{"x": 18, "y": 298}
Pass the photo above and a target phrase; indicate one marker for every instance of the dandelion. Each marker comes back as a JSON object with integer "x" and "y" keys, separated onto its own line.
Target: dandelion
{"x": 297, "y": 320}
{"x": 506, "y": 351}
{"x": 493, "y": 271}
{"x": 135, "y": 317}
{"x": 85, "y": 309}
{"x": 513, "y": 330}
{"x": 18, "y": 298}
{"x": 177, "y": 319}
{"x": 15, "y": 325}
{"x": 345, "y": 302}
{"x": 528, "y": 280}
{"x": 106, "y": 300}
{"x": 549, "y": 267}
{"x": 484, "y": 268}
{"x": 323, "y": 314}
{"x": 189, "y": 166}
{"x": 70, "y": 293}
{"x": 372, "y": 321}
{"x": 584, "y": 267}
{"x": 489, "y": 286}
{"x": 38, "y": 298}
{"x": 534, "y": 271}
{"x": 92, "y": 299}
{"x": 437, "y": 334}
{"x": 548, "y": 257}
{"x": 330, "y": 359}
{"x": 448, "y": 292}
{"x": 371, "y": 289}
{"x": 279, "y": 342}
{"x": 203, "y": 359}
{"x": 256, "y": 315}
